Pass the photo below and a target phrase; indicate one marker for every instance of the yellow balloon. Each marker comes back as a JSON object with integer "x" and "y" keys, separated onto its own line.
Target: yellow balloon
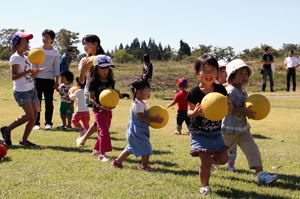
{"x": 109, "y": 98}
{"x": 259, "y": 104}
{"x": 214, "y": 106}
{"x": 73, "y": 89}
{"x": 36, "y": 56}
{"x": 162, "y": 112}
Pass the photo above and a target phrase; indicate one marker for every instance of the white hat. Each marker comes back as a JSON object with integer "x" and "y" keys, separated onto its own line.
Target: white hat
{"x": 222, "y": 63}
{"x": 103, "y": 61}
{"x": 236, "y": 64}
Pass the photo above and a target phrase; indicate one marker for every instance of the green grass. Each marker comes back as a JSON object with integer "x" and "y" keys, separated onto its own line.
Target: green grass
{"x": 57, "y": 169}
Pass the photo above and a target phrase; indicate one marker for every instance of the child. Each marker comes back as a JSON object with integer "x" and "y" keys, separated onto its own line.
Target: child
{"x": 82, "y": 113}
{"x": 92, "y": 47}
{"x": 221, "y": 79}
{"x": 101, "y": 78}
{"x": 24, "y": 89}
{"x": 47, "y": 80}
{"x": 65, "y": 60}
{"x": 66, "y": 108}
{"x": 205, "y": 135}
{"x": 147, "y": 69}
{"x": 138, "y": 134}
{"x": 291, "y": 63}
{"x": 235, "y": 128}
{"x": 180, "y": 98}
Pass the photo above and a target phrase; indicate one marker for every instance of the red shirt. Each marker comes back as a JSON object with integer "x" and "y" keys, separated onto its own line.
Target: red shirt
{"x": 180, "y": 99}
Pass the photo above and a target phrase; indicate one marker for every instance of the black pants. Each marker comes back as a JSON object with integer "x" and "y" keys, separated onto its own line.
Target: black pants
{"x": 45, "y": 86}
{"x": 181, "y": 117}
{"x": 267, "y": 72}
{"x": 291, "y": 72}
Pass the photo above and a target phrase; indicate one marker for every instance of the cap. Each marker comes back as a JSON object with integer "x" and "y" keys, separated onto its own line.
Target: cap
{"x": 236, "y": 64}
{"x": 182, "y": 82}
{"x": 222, "y": 63}
{"x": 18, "y": 35}
{"x": 103, "y": 61}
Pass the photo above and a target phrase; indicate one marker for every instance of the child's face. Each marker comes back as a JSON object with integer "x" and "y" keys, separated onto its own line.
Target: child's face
{"x": 143, "y": 94}
{"x": 241, "y": 77}
{"x": 90, "y": 47}
{"x": 208, "y": 74}
{"x": 23, "y": 45}
{"x": 222, "y": 75}
{"x": 47, "y": 40}
{"x": 64, "y": 80}
{"x": 103, "y": 72}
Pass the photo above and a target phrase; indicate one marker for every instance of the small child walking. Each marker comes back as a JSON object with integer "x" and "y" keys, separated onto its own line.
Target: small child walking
{"x": 235, "y": 128}
{"x": 180, "y": 99}
{"x": 138, "y": 134}
{"x": 66, "y": 107}
{"x": 82, "y": 112}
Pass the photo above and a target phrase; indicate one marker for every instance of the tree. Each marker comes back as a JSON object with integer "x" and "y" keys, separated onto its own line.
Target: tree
{"x": 66, "y": 39}
{"x": 223, "y": 53}
{"x": 122, "y": 56}
{"x": 5, "y": 42}
{"x": 121, "y": 46}
{"x": 184, "y": 50}
{"x": 167, "y": 53}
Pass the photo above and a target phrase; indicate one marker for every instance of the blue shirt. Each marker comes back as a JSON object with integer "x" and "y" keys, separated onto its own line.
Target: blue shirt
{"x": 64, "y": 59}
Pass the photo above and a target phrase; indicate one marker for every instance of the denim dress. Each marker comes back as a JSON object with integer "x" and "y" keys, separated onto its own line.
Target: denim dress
{"x": 138, "y": 136}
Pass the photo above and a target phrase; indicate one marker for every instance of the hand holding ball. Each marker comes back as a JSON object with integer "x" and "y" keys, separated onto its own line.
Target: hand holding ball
{"x": 36, "y": 56}
{"x": 214, "y": 106}
{"x": 161, "y": 112}
{"x": 258, "y": 104}
{"x": 73, "y": 89}
{"x": 109, "y": 98}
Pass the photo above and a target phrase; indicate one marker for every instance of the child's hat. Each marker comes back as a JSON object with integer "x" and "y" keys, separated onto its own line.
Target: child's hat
{"x": 18, "y": 35}
{"x": 103, "y": 61}
{"x": 236, "y": 64}
{"x": 182, "y": 82}
{"x": 222, "y": 63}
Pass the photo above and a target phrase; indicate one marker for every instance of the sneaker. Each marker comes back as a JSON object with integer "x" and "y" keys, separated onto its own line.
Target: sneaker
{"x": 103, "y": 158}
{"x": 213, "y": 167}
{"x": 26, "y": 143}
{"x": 266, "y": 178}
{"x": 117, "y": 164}
{"x": 6, "y": 136}
{"x": 48, "y": 126}
{"x": 62, "y": 127}
{"x": 80, "y": 142}
{"x": 230, "y": 166}
{"x": 69, "y": 127}
{"x": 176, "y": 133}
{"x": 95, "y": 152}
{"x": 145, "y": 167}
{"x": 205, "y": 190}
{"x": 36, "y": 127}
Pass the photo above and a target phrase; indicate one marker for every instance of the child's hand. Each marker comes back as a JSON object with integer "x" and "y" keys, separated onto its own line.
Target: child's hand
{"x": 198, "y": 110}
{"x": 105, "y": 107}
{"x": 157, "y": 119}
{"x": 230, "y": 105}
{"x": 86, "y": 64}
{"x": 250, "y": 114}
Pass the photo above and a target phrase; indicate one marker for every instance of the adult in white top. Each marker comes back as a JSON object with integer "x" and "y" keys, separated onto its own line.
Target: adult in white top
{"x": 291, "y": 63}
{"x": 48, "y": 80}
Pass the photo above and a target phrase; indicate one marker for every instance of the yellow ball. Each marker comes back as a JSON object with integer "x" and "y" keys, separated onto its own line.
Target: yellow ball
{"x": 36, "y": 56}
{"x": 260, "y": 105}
{"x": 162, "y": 112}
{"x": 214, "y": 106}
{"x": 109, "y": 98}
{"x": 91, "y": 59}
{"x": 73, "y": 89}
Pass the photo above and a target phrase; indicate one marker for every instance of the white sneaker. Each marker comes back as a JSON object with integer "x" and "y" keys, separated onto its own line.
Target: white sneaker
{"x": 103, "y": 158}
{"x": 48, "y": 126}
{"x": 266, "y": 178}
{"x": 36, "y": 127}
{"x": 80, "y": 142}
{"x": 205, "y": 190}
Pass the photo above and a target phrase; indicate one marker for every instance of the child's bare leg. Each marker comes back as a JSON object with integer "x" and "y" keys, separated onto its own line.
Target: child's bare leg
{"x": 204, "y": 171}
{"x": 69, "y": 120}
{"x": 63, "y": 119}
{"x": 123, "y": 156}
{"x": 145, "y": 160}
{"x": 92, "y": 129}
{"x": 33, "y": 115}
{"x": 220, "y": 158}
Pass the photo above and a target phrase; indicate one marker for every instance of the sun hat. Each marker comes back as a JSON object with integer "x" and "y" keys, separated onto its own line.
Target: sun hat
{"x": 103, "y": 61}
{"x": 236, "y": 64}
{"x": 18, "y": 35}
{"x": 222, "y": 63}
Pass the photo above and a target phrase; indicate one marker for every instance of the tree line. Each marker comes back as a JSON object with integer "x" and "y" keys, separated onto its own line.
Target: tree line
{"x": 134, "y": 52}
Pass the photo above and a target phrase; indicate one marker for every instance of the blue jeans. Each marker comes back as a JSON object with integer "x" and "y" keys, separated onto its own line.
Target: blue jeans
{"x": 267, "y": 71}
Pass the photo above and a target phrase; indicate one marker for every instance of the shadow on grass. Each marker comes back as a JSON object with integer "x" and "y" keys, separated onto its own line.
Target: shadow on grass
{"x": 5, "y": 159}
{"x": 229, "y": 192}
{"x": 58, "y": 148}
{"x": 257, "y": 136}
{"x": 117, "y": 139}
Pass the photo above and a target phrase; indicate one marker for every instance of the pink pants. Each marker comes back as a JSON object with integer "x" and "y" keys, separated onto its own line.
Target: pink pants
{"x": 103, "y": 120}
{"x": 84, "y": 117}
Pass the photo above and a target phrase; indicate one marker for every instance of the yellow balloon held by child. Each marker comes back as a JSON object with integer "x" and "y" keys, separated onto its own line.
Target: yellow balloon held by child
{"x": 109, "y": 98}
{"x": 259, "y": 104}
{"x": 73, "y": 89}
{"x": 36, "y": 56}
{"x": 162, "y": 112}
{"x": 214, "y": 106}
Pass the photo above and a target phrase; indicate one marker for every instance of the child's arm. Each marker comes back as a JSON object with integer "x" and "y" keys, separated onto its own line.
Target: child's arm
{"x": 15, "y": 75}
{"x": 171, "y": 104}
{"x": 245, "y": 111}
{"x": 149, "y": 119}
{"x": 84, "y": 69}
{"x": 92, "y": 95}
{"x": 195, "y": 110}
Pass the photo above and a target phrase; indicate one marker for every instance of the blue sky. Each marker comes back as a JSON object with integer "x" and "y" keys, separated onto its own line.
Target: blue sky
{"x": 237, "y": 23}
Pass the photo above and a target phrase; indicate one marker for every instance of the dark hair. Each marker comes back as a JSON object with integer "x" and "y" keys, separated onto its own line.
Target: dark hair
{"x": 14, "y": 45}
{"x": 232, "y": 75}
{"x": 68, "y": 75}
{"x": 92, "y": 39}
{"x": 139, "y": 84}
{"x": 81, "y": 85}
{"x": 95, "y": 77}
{"x": 291, "y": 51}
{"x": 266, "y": 49}
{"x": 205, "y": 60}
{"x": 50, "y": 33}
{"x": 146, "y": 58}
{"x": 69, "y": 50}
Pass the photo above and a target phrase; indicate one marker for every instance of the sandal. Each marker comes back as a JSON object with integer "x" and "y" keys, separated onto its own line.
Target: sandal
{"x": 117, "y": 164}
{"x": 145, "y": 167}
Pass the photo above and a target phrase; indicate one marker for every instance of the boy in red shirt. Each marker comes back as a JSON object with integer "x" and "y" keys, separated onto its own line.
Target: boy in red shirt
{"x": 180, "y": 99}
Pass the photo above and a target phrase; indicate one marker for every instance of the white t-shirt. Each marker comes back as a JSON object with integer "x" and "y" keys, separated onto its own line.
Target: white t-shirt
{"x": 64, "y": 93}
{"x": 87, "y": 76}
{"x": 24, "y": 83}
{"x": 291, "y": 62}
{"x": 80, "y": 100}
{"x": 138, "y": 106}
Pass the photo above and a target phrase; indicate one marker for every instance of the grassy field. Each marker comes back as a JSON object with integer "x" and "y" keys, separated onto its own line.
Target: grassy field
{"x": 57, "y": 169}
